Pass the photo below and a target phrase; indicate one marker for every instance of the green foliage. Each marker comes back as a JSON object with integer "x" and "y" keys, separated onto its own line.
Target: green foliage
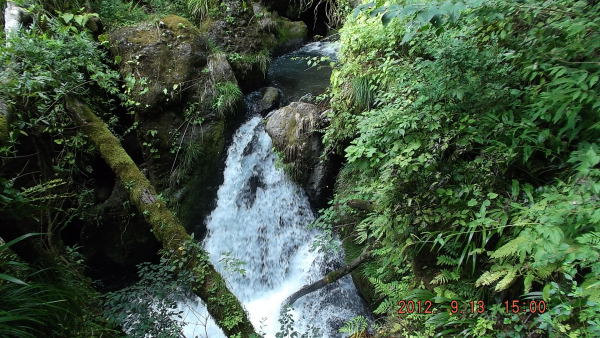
{"x": 60, "y": 5}
{"x": 149, "y": 307}
{"x": 362, "y": 93}
{"x": 286, "y": 326}
{"x": 356, "y": 325}
{"x": 40, "y": 68}
{"x": 227, "y": 98}
{"x": 199, "y": 9}
{"x": 247, "y": 62}
{"x": 472, "y": 127}
{"x": 121, "y": 13}
{"x": 232, "y": 264}
{"x": 54, "y": 301}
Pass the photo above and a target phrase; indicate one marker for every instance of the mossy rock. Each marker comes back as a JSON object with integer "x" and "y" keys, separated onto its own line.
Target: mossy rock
{"x": 365, "y": 288}
{"x": 196, "y": 199}
{"x": 290, "y": 35}
{"x": 165, "y": 54}
{"x": 293, "y": 129}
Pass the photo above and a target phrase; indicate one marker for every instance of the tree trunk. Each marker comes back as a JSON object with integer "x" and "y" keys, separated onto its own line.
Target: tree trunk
{"x": 331, "y": 277}
{"x": 208, "y": 284}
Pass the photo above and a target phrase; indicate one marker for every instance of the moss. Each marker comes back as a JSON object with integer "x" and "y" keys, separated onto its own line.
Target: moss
{"x": 145, "y": 37}
{"x": 291, "y": 31}
{"x": 291, "y": 132}
{"x": 362, "y": 283}
{"x": 202, "y": 176}
{"x": 165, "y": 226}
{"x": 180, "y": 26}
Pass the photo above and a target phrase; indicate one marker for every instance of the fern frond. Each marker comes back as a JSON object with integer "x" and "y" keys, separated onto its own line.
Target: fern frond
{"x": 546, "y": 270}
{"x": 591, "y": 238}
{"x": 513, "y": 247}
{"x": 356, "y": 325}
{"x": 508, "y": 279}
{"x": 447, "y": 260}
{"x": 489, "y": 277}
{"x": 444, "y": 277}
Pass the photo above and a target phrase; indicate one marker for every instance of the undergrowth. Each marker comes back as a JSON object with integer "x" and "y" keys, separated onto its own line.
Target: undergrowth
{"x": 472, "y": 128}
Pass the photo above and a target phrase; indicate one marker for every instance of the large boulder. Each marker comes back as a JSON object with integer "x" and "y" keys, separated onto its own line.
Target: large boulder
{"x": 161, "y": 56}
{"x": 251, "y": 38}
{"x": 294, "y": 130}
{"x": 290, "y": 35}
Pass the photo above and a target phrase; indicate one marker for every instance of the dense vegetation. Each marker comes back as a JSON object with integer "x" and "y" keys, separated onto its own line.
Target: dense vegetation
{"x": 471, "y": 129}
{"x": 49, "y": 180}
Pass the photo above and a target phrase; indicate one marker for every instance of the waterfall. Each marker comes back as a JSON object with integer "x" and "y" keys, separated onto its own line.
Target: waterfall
{"x": 260, "y": 224}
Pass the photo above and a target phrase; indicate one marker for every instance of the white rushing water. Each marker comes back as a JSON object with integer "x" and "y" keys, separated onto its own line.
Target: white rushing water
{"x": 261, "y": 219}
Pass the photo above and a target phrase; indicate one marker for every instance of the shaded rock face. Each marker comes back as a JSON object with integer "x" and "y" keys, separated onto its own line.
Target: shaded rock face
{"x": 181, "y": 133}
{"x": 117, "y": 242}
{"x": 264, "y": 100}
{"x": 290, "y": 35}
{"x": 162, "y": 54}
{"x": 293, "y": 130}
{"x": 313, "y": 13}
{"x": 249, "y": 40}
{"x": 175, "y": 85}
{"x": 285, "y": 35}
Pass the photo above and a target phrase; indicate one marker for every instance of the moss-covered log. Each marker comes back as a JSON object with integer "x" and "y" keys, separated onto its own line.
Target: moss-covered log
{"x": 329, "y": 278}
{"x": 222, "y": 305}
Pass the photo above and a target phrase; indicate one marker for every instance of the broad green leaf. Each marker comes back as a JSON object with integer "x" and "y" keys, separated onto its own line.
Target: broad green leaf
{"x": 12, "y": 279}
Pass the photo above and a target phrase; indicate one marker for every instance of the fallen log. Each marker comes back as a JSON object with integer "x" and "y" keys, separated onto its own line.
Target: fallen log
{"x": 331, "y": 277}
{"x": 208, "y": 284}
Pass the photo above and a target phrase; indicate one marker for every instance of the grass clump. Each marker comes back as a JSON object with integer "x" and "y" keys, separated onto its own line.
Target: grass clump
{"x": 228, "y": 97}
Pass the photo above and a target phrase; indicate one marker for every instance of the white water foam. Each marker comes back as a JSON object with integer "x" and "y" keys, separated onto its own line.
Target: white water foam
{"x": 324, "y": 48}
{"x": 260, "y": 219}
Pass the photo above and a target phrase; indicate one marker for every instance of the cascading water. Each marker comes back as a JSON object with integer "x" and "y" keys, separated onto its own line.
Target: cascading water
{"x": 261, "y": 219}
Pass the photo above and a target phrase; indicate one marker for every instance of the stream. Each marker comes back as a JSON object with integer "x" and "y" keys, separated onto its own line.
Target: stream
{"x": 257, "y": 235}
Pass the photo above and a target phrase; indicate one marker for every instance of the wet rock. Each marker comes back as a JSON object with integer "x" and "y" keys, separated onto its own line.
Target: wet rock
{"x": 265, "y": 100}
{"x": 290, "y": 36}
{"x": 247, "y": 195}
{"x": 220, "y": 69}
{"x": 325, "y": 119}
{"x": 294, "y": 130}
{"x": 308, "y": 98}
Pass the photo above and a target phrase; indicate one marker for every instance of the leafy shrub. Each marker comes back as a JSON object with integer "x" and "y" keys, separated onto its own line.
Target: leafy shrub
{"x": 479, "y": 153}
{"x": 149, "y": 307}
{"x": 121, "y": 13}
